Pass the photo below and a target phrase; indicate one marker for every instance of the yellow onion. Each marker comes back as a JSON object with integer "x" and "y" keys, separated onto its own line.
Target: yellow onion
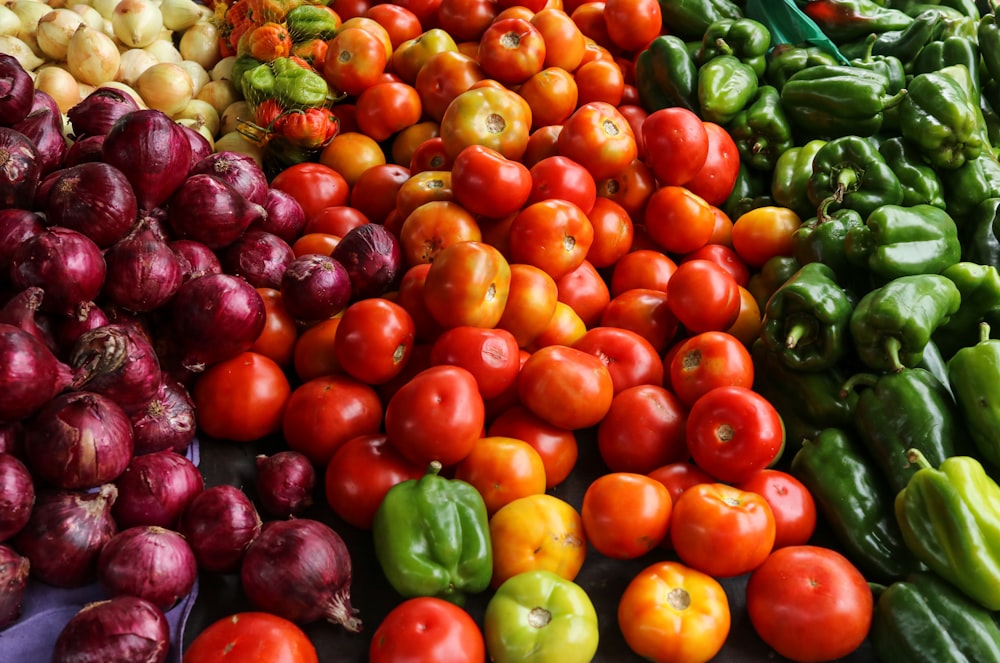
{"x": 137, "y": 23}
{"x": 223, "y": 69}
{"x": 166, "y": 87}
{"x": 165, "y": 51}
{"x": 199, "y": 126}
{"x": 90, "y": 16}
{"x": 220, "y": 94}
{"x": 231, "y": 116}
{"x": 202, "y": 113}
{"x": 92, "y": 56}
{"x": 133, "y": 62}
{"x": 59, "y": 83}
{"x": 105, "y": 7}
{"x": 28, "y": 12}
{"x": 180, "y": 15}
{"x": 200, "y": 43}
{"x": 55, "y": 30}
{"x": 199, "y": 77}
{"x": 129, "y": 90}
{"x": 10, "y": 24}
{"x": 20, "y": 51}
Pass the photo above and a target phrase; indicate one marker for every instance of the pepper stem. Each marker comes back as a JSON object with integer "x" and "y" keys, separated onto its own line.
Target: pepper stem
{"x": 848, "y": 179}
{"x": 863, "y": 379}
{"x": 916, "y": 457}
{"x": 984, "y": 331}
{"x": 796, "y": 333}
{"x": 892, "y": 348}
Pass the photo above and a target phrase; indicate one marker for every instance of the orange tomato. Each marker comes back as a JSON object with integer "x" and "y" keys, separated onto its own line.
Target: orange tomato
{"x": 502, "y": 469}
{"x": 557, "y": 447}
{"x": 625, "y": 515}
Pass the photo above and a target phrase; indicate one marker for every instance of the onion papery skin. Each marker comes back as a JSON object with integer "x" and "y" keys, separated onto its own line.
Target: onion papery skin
{"x": 16, "y": 87}
{"x": 20, "y": 169}
{"x": 98, "y": 112}
{"x": 16, "y": 226}
{"x": 259, "y": 257}
{"x": 148, "y": 561}
{"x": 143, "y": 272}
{"x": 78, "y": 440}
{"x": 219, "y": 523}
{"x": 14, "y": 569}
{"x": 240, "y": 171}
{"x": 285, "y": 483}
{"x": 12, "y": 439}
{"x": 95, "y": 199}
{"x": 21, "y": 311}
{"x": 155, "y": 489}
{"x": 196, "y": 259}
{"x": 315, "y": 287}
{"x": 17, "y": 496}
{"x": 84, "y": 150}
{"x": 66, "y": 264}
{"x": 65, "y": 534}
{"x": 69, "y": 328}
{"x": 207, "y": 209}
{"x": 153, "y": 152}
{"x": 283, "y": 216}
{"x": 300, "y": 569}
{"x": 43, "y": 126}
{"x": 124, "y": 629}
{"x": 373, "y": 258}
{"x": 30, "y": 374}
{"x": 167, "y": 421}
{"x": 117, "y": 361}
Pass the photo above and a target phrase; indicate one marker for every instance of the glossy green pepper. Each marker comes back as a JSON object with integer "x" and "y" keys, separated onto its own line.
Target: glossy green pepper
{"x": 540, "y": 617}
{"x": 666, "y": 75}
{"x": 851, "y": 171}
{"x": 309, "y": 21}
{"x": 974, "y": 372}
{"x": 942, "y": 53}
{"x": 725, "y": 87}
{"x": 980, "y": 243}
{"x": 979, "y": 285}
{"x": 921, "y": 184}
{"x": 752, "y": 189}
{"x": 771, "y": 276}
{"x": 784, "y": 60}
{"x": 258, "y": 83}
{"x": 988, "y": 33}
{"x": 821, "y": 239}
{"x": 761, "y": 130}
{"x": 296, "y": 86}
{"x": 950, "y": 519}
{"x": 846, "y": 20}
{"x": 892, "y": 324}
{"x": 967, "y": 186}
{"x": 688, "y": 19}
{"x": 746, "y": 39}
{"x": 924, "y": 619}
{"x": 888, "y": 65}
{"x": 906, "y": 43}
{"x": 432, "y": 538}
{"x": 790, "y": 180}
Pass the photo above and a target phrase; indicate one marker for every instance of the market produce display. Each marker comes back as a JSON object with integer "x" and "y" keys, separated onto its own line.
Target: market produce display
{"x": 475, "y": 330}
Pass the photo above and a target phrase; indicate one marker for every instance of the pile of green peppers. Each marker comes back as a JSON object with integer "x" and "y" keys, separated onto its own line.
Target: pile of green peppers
{"x": 880, "y": 338}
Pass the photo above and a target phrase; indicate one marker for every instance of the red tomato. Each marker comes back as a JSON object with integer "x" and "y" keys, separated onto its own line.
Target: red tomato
{"x": 725, "y": 257}
{"x": 733, "y": 433}
{"x": 599, "y": 138}
{"x": 511, "y": 50}
{"x": 427, "y": 630}
{"x": 251, "y": 636}
{"x": 489, "y": 184}
{"x": 374, "y": 340}
{"x": 466, "y": 20}
{"x": 625, "y": 515}
{"x": 678, "y": 220}
{"x": 721, "y": 530}
{"x": 385, "y": 109}
{"x": 556, "y": 446}
{"x": 632, "y": 23}
{"x": 613, "y": 233}
{"x": 715, "y": 181}
{"x": 630, "y": 358}
{"x": 601, "y": 80}
{"x": 468, "y": 284}
{"x": 434, "y": 226}
{"x": 644, "y": 311}
{"x": 810, "y": 604}
{"x": 564, "y": 42}
{"x": 703, "y": 296}
{"x": 705, "y": 361}
{"x": 531, "y": 303}
{"x": 552, "y": 94}
{"x": 280, "y": 334}
{"x": 423, "y": 187}
{"x": 313, "y": 185}
{"x": 791, "y": 503}
{"x": 314, "y": 354}
{"x": 680, "y": 476}
{"x": 566, "y": 387}
{"x": 502, "y": 469}
{"x": 337, "y": 220}
{"x": 554, "y": 235}
{"x": 676, "y": 143}
{"x": 401, "y": 23}
{"x": 642, "y": 268}
{"x": 491, "y": 355}
{"x": 585, "y": 290}
{"x": 374, "y": 193}
{"x": 443, "y": 77}
{"x": 563, "y": 178}
{"x": 630, "y": 188}
{"x": 437, "y": 415}
{"x": 355, "y": 59}
{"x": 643, "y": 430}
{"x": 241, "y": 398}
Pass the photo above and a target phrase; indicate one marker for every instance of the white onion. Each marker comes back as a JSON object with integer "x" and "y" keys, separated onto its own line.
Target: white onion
{"x": 200, "y": 43}
{"x": 21, "y": 51}
{"x": 133, "y": 62}
{"x": 203, "y": 113}
{"x": 90, "y": 16}
{"x": 59, "y": 83}
{"x": 223, "y": 69}
{"x": 29, "y": 12}
{"x": 10, "y": 24}
{"x": 92, "y": 56}
{"x": 199, "y": 77}
{"x": 231, "y": 116}
{"x": 166, "y": 86}
{"x": 165, "y": 51}
{"x": 137, "y": 23}
{"x": 182, "y": 14}
{"x": 220, "y": 94}
{"x": 54, "y": 32}
{"x": 105, "y": 7}
{"x": 129, "y": 90}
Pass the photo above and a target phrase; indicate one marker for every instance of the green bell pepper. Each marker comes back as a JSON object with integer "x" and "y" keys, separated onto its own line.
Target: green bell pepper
{"x": 540, "y": 617}
{"x": 854, "y": 499}
{"x": 771, "y": 276}
{"x": 432, "y": 538}
{"x": 906, "y": 43}
{"x": 851, "y": 171}
{"x": 752, "y": 189}
{"x": 980, "y": 243}
{"x": 666, "y": 75}
{"x": 241, "y": 65}
{"x": 902, "y": 241}
{"x": 846, "y": 20}
{"x": 974, "y": 372}
{"x": 296, "y": 86}
{"x": 950, "y": 519}
{"x": 761, "y": 130}
{"x": 821, "y": 239}
{"x": 910, "y": 409}
{"x": 967, "y": 186}
{"x": 989, "y": 106}
{"x": 941, "y": 117}
{"x": 942, "y": 53}
{"x": 688, "y": 19}
{"x": 921, "y": 184}
{"x": 746, "y": 39}
{"x": 892, "y": 324}
{"x": 806, "y": 320}
{"x": 888, "y": 65}
{"x": 784, "y": 60}
{"x": 258, "y": 83}
{"x": 309, "y": 21}
{"x": 955, "y": 23}
{"x": 725, "y": 87}
{"x": 988, "y": 33}
{"x": 790, "y": 180}
{"x": 979, "y": 285}
{"x": 924, "y": 619}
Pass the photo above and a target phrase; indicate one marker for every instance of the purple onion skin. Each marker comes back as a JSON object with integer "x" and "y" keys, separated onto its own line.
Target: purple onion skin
{"x": 196, "y": 259}
{"x": 20, "y": 169}
{"x": 93, "y": 198}
{"x": 44, "y": 127}
{"x": 213, "y": 318}
{"x": 300, "y": 569}
{"x": 151, "y": 562}
{"x": 30, "y": 374}
{"x": 14, "y": 570}
{"x": 155, "y": 489}
{"x": 21, "y": 311}
{"x": 285, "y": 483}
{"x": 12, "y": 439}
{"x": 16, "y": 88}
{"x": 65, "y": 534}
{"x": 207, "y": 209}
{"x": 219, "y": 523}
{"x": 283, "y": 216}
{"x": 237, "y": 170}
{"x": 84, "y": 150}
{"x": 17, "y": 496}
{"x": 16, "y": 226}
{"x": 98, "y": 112}
{"x": 200, "y": 147}
{"x": 69, "y": 328}
{"x": 65, "y": 263}
{"x": 315, "y": 287}
{"x": 167, "y": 421}
{"x": 259, "y": 257}
{"x": 153, "y": 152}
{"x": 373, "y": 258}
{"x": 119, "y": 362}
{"x": 124, "y": 629}
{"x": 143, "y": 272}
{"x": 78, "y": 440}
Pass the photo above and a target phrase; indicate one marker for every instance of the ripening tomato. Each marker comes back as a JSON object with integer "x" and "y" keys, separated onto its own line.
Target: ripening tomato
{"x": 314, "y": 355}
{"x": 409, "y": 57}
{"x": 399, "y": 22}
{"x": 241, "y": 398}
{"x": 251, "y": 636}
{"x": 791, "y": 503}
{"x": 565, "y": 327}
{"x": 338, "y": 220}
{"x": 566, "y": 387}
{"x": 423, "y": 187}
{"x": 564, "y": 42}
{"x": 601, "y": 80}
{"x": 552, "y": 94}
{"x": 350, "y": 153}
{"x": 443, "y": 77}
{"x": 492, "y": 116}
{"x": 427, "y": 629}
{"x": 585, "y": 290}
{"x": 433, "y": 226}
{"x": 625, "y": 515}
{"x": 280, "y": 334}
{"x": 468, "y": 284}
{"x": 489, "y": 184}
{"x": 531, "y": 303}
{"x": 764, "y": 232}
{"x": 643, "y": 430}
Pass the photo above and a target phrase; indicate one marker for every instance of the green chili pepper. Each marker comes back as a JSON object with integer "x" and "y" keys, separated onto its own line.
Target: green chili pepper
{"x": 752, "y": 189}
{"x": 725, "y": 87}
{"x": 688, "y": 19}
{"x": 979, "y": 285}
{"x": 746, "y": 39}
{"x": 892, "y": 324}
{"x": 311, "y": 22}
{"x": 950, "y": 519}
{"x": 850, "y": 170}
{"x": 906, "y": 43}
{"x": 784, "y": 60}
{"x": 298, "y": 87}
{"x": 844, "y": 20}
{"x": 666, "y": 75}
{"x": 790, "y": 181}
{"x": 921, "y": 184}
{"x": 761, "y": 130}
{"x": 974, "y": 372}
{"x": 258, "y": 83}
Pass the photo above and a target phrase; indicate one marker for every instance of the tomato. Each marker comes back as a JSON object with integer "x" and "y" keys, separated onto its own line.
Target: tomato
{"x": 425, "y": 10}
{"x": 511, "y": 50}
{"x": 325, "y": 412}
{"x": 630, "y": 188}
{"x": 677, "y": 220}
{"x": 241, "y": 398}
{"x": 531, "y": 303}
{"x": 374, "y": 193}
{"x": 541, "y": 144}
{"x": 251, "y": 636}
{"x": 313, "y": 354}
{"x": 613, "y": 232}
{"x": 490, "y": 116}
{"x": 703, "y": 296}
{"x": 671, "y": 613}
{"x": 625, "y": 515}
{"x": 585, "y": 290}
{"x": 321, "y": 243}
{"x": 642, "y": 268}
{"x": 717, "y": 176}
{"x": 427, "y": 629}
{"x": 502, "y": 469}
{"x": 409, "y": 57}
{"x": 313, "y": 185}
{"x": 601, "y": 80}
{"x": 443, "y": 77}
{"x": 565, "y": 327}
{"x": 679, "y": 476}
{"x": 791, "y": 503}
{"x": 537, "y": 532}
{"x": 644, "y": 311}
{"x": 423, "y": 187}
{"x": 405, "y": 143}
{"x": 280, "y": 334}
{"x": 491, "y": 355}
{"x": 374, "y": 340}
{"x": 643, "y": 430}
{"x": 630, "y": 358}
{"x": 810, "y": 604}
{"x": 437, "y": 415}
{"x": 466, "y": 20}
{"x": 552, "y": 94}
{"x": 676, "y": 142}
{"x": 557, "y": 447}
{"x": 351, "y": 153}
{"x": 354, "y": 60}
{"x": 590, "y": 17}
{"x": 467, "y": 284}
{"x": 632, "y": 23}
{"x": 725, "y": 257}
{"x": 723, "y": 233}
{"x": 734, "y": 432}
{"x": 708, "y": 360}
{"x": 384, "y": 109}
{"x": 566, "y": 387}
{"x": 432, "y": 227}
{"x": 401, "y": 23}
{"x": 564, "y": 42}
{"x": 489, "y": 184}
{"x": 562, "y": 178}
{"x": 599, "y": 138}
{"x": 764, "y": 232}
{"x": 360, "y": 473}
{"x": 553, "y": 235}
{"x": 747, "y": 325}
{"x": 338, "y": 220}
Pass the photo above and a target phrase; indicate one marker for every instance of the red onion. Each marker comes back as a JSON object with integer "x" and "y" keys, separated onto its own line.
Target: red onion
{"x": 200, "y": 147}
{"x": 124, "y": 629}
{"x": 14, "y": 570}
{"x": 215, "y": 317}
{"x": 300, "y": 569}
{"x": 65, "y": 534}
{"x": 20, "y": 169}
{"x": 17, "y": 496}
{"x": 78, "y": 440}
{"x": 68, "y": 328}
{"x": 167, "y": 421}
{"x": 283, "y": 216}
{"x": 259, "y": 257}
{"x": 43, "y": 126}
{"x": 99, "y": 110}
{"x": 155, "y": 489}
{"x": 143, "y": 273}
{"x": 119, "y": 362}
{"x": 93, "y": 198}
{"x": 42, "y": 100}
{"x": 16, "y": 87}
{"x": 12, "y": 439}
{"x": 207, "y": 209}
{"x": 372, "y": 256}
{"x": 240, "y": 171}
{"x": 151, "y": 562}
{"x": 16, "y": 226}
{"x": 315, "y": 287}
{"x": 84, "y": 150}
{"x": 196, "y": 259}
{"x": 65, "y": 263}
{"x": 21, "y": 311}
{"x": 285, "y": 483}
{"x": 30, "y": 374}
{"x": 153, "y": 152}
{"x": 219, "y": 523}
